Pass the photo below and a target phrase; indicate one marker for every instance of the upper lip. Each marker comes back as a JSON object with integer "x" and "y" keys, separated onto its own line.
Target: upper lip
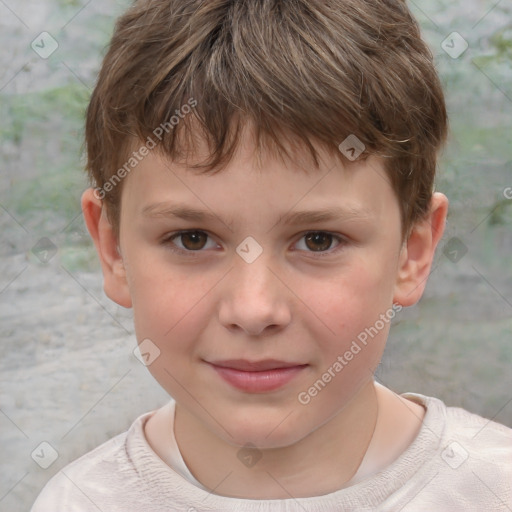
{"x": 255, "y": 366}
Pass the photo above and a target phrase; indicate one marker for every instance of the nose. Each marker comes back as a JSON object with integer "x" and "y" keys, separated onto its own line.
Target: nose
{"x": 254, "y": 299}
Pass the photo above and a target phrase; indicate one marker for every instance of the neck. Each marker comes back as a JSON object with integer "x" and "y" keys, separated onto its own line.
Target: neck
{"x": 322, "y": 462}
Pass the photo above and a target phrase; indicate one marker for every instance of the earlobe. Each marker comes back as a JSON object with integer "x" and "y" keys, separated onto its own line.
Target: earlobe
{"x": 418, "y": 252}
{"x": 115, "y": 282}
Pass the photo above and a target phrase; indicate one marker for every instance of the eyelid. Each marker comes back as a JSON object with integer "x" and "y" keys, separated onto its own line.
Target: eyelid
{"x": 168, "y": 241}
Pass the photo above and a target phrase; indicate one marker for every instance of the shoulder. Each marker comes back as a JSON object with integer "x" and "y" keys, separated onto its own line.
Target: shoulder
{"x": 482, "y": 438}
{"x": 483, "y": 445}
{"x": 99, "y": 474}
{"x": 472, "y": 464}
{"x": 477, "y": 455}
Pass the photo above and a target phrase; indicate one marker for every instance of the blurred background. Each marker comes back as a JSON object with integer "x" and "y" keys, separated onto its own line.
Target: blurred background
{"x": 67, "y": 370}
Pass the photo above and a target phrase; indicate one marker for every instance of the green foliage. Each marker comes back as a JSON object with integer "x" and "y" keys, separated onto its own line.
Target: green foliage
{"x": 33, "y": 120}
{"x": 502, "y": 42}
{"x": 57, "y": 191}
{"x": 68, "y": 3}
{"x": 21, "y": 110}
{"x": 501, "y": 213}
{"x": 79, "y": 258}
{"x": 500, "y": 52}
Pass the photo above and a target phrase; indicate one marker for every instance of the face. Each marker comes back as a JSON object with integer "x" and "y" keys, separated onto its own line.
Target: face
{"x": 253, "y": 281}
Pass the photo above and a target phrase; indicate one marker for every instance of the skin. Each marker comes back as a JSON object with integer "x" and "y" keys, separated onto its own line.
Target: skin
{"x": 288, "y": 304}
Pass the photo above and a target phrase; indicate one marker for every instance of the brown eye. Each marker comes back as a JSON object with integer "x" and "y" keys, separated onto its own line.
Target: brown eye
{"x": 318, "y": 241}
{"x": 189, "y": 242}
{"x": 319, "y": 244}
{"x": 193, "y": 240}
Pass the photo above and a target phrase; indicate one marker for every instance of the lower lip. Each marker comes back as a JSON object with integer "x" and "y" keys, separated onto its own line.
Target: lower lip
{"x": 258, "y": 382}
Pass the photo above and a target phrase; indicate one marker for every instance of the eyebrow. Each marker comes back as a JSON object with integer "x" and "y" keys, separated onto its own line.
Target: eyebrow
{"x": 185, "y": 212}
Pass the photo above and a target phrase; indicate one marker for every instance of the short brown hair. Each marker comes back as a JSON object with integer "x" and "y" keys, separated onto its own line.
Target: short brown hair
{"x": 302, "y": 70}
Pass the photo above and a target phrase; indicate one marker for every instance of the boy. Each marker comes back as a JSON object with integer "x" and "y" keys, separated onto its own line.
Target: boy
{"x": 264, "y": 201}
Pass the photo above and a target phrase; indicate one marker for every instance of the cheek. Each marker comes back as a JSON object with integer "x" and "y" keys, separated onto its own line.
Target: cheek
{"x": 165, "y": 303}
{"x": 351, "y": 300}
{"x": 171, "y": 311}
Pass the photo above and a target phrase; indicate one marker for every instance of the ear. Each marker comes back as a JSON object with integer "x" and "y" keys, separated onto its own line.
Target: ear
{"x": 114, "y": 274}
{"x": 418, "y": 251}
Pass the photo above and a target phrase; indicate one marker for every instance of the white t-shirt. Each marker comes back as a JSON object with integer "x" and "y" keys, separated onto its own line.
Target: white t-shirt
{"x": 458, "y": 462}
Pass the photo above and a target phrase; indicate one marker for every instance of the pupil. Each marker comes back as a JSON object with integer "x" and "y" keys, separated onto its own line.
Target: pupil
{"x": 194, "y": 236}
{"x": 318, "y": 237}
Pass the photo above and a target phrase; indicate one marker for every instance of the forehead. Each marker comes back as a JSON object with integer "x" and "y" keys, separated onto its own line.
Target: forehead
{"x": 260, "y": 187}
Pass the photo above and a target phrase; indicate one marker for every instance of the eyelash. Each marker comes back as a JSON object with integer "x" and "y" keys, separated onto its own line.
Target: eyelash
{"x": 167, "y": 241}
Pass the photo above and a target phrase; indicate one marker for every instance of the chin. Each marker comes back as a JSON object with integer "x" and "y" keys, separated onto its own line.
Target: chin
{"x": 265, "y": 432}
